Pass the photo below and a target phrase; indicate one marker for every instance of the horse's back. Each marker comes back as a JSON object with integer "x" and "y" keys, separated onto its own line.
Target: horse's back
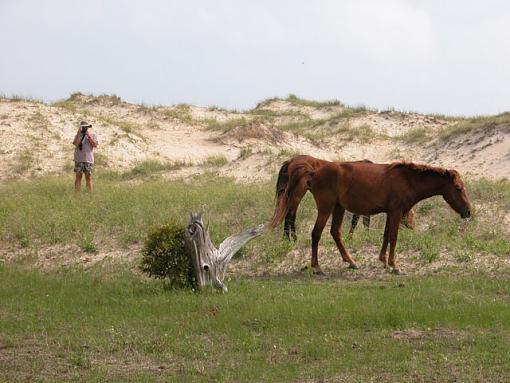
{"x": 361, "y": 187}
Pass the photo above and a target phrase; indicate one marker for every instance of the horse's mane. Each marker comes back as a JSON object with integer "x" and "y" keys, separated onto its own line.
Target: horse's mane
{"x": 420, "y": 168}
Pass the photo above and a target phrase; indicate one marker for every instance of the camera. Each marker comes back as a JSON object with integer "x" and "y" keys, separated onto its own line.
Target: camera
{"x": 84, "y": 126}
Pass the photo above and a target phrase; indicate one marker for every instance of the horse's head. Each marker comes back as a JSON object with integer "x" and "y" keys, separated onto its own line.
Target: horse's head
{"x": 455, "y": 195}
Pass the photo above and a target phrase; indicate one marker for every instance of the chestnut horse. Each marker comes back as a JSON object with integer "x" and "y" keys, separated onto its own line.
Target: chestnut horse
{"x": 293, "y": 183}
{"x": 366, "y": 188}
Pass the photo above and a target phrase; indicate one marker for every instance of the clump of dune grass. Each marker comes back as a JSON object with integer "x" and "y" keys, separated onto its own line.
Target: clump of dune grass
{"x": 465, "y": 125}
{"x": 180, "y": 112}
{"x": 415, "y": 135}
{"x": 216, "y": 160}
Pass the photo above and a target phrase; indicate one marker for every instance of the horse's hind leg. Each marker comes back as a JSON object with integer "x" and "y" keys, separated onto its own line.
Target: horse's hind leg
{"x": 294, "y": 201}
{"x": 286, "y": 225}
{"x": 289, "y": 228}
{"x": 354, "y": 223}
{"x": 293, "y": 226}
{"x": 336, "y": 233}
{"x": 408, "y": 219}
{"x": 366, "y": 221}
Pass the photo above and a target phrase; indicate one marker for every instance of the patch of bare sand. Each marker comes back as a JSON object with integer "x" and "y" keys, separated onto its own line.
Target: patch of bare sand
{"x": 395, "y": 124}
{"x": 483, "y": 152}
{"x": 430, "y": 334}
{"x": 48, "y": 257}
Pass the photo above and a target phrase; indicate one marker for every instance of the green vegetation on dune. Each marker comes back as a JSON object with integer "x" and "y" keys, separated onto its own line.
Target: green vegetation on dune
{"x": 465, "y": 125}
{"x": 97, "y": 326}
{"x": 292, "y": 98}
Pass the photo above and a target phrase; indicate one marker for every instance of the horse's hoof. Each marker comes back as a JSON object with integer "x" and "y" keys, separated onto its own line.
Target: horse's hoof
{"x": 319, "y": 273}
{"x": 353, "y": 266}
{"x": 396, "y": 271}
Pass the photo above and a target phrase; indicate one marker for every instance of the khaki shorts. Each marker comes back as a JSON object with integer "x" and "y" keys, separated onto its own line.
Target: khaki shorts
{"x": 83, "y": 167}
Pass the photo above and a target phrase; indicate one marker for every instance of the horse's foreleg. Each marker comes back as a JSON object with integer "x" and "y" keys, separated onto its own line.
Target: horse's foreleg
{"x": 393, "y": 226}
{"x": 336, "y": 233}
{"x": 382, "y": 255}
{"x": 322, "y": 218}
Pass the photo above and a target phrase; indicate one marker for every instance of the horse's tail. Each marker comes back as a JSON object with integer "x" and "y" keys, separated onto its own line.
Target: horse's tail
{"x": 281, "y": 195}
{"x": 285, "y": 187}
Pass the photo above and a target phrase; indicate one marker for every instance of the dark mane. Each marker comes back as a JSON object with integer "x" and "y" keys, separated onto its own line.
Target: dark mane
{"x": 420, "y": 168}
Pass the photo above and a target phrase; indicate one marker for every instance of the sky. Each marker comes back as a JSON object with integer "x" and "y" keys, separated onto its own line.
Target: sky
{"x": 447, "y": 57}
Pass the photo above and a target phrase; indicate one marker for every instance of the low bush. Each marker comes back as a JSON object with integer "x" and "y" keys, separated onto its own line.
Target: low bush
{"x": 164, "y": 256}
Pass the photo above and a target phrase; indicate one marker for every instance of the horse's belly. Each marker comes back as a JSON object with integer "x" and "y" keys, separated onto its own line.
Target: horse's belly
{"x": 362, "y": 210}
{"x": 363, "y": 206}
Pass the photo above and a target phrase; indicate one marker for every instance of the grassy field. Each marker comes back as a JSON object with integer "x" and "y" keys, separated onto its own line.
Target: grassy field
{"x": 109, "y": 323}
{"x": 97, "y": 326}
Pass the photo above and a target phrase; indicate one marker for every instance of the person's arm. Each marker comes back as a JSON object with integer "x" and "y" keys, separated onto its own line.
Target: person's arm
{"x": 77, "y": 138}
{"x": 92, "y": 139}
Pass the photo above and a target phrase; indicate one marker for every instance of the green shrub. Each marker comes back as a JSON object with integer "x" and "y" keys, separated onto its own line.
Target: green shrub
{"x": 164, "y": 256}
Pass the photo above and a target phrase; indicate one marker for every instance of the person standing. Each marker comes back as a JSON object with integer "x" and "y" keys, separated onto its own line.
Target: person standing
{"x": 85, "y": 141}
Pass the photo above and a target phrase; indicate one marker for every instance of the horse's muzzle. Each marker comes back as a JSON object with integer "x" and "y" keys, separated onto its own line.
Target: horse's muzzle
{"x": 466, "y": 213}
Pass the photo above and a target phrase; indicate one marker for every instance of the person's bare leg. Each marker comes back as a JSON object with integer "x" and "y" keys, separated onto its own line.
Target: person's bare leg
{"x": 77, "y": 182}
{"x": 88, "y": 180}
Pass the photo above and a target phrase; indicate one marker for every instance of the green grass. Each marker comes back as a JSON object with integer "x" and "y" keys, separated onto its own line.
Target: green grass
{"x": 47, "y": 211}
{"x": 125, "y": 126}
{"x": 415, "y": 135}
{"x": 20, "y": 98}
{"x": 245, "y": 153}
{"x": 117, "y": 327}
{"x": 181, "y": 112}
{"x": 24, "y": 162}
{"x": 125, "y": 205}
{"x": 67, "y": 105}
{"x": 110, "y": 324}
{"x": 314, "y": 104}
{"x": 216, "y": 160}
{"x": 227, "y": 125}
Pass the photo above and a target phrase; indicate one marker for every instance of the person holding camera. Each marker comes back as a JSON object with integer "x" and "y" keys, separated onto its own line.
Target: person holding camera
{"x": 85, "y": 141}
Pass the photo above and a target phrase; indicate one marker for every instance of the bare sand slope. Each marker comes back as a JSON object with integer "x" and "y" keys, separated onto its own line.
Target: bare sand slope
{"x": 35, "y": 138}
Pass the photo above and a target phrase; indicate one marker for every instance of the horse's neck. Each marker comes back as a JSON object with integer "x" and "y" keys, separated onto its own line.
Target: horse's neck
{"x": 427, "y": 185}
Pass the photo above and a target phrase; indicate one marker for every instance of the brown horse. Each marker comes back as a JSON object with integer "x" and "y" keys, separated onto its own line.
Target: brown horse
{"x": 367, "y": 188}
{"x": 293, "y": 183}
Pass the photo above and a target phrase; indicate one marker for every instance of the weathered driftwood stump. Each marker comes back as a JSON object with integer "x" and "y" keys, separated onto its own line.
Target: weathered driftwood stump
{"x": 210, "y": 263}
